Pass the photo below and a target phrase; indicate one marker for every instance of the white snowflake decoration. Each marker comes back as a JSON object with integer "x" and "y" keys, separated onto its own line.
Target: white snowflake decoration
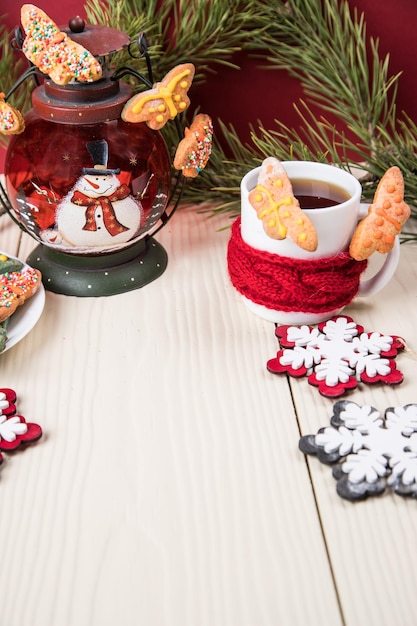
{"x": 336, "y": 355}
{"x": 369, "y": 453}
{"x": 11, "y": 427}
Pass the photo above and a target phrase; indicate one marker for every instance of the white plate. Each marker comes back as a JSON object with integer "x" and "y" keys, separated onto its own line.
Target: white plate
{"x": 25, "y": 316}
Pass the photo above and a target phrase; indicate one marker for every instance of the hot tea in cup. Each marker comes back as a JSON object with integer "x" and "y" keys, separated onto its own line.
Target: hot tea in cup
{"x": 314, "y": 194}
{"x": 283, "y": 280}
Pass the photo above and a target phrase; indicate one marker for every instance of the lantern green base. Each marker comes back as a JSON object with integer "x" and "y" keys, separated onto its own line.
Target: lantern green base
{"x": 101, "y": 275}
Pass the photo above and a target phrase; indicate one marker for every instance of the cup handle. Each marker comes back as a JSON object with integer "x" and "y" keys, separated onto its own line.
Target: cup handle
{"x": 386, "y": 272}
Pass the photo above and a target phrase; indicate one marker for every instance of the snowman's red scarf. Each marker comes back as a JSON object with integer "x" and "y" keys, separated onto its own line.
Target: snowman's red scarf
{"x": 111, "y": 222}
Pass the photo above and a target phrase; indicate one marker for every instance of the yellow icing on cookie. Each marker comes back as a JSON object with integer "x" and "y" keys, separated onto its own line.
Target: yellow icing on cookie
{"x": 273, "y": 208}
{"x": 166, "y": 92}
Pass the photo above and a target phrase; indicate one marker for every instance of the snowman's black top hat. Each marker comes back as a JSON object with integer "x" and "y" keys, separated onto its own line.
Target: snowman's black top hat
{"x": 99, "y": 151}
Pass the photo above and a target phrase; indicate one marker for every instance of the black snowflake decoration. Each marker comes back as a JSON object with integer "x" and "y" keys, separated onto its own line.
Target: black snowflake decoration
{"x": 369, "y": 453}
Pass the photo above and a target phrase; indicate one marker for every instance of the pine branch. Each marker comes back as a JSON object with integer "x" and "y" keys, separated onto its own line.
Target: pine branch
{"x": 206, "y": 34}
{"x": 324, "y": 45}
{"x": 210, "y": 33}
{"x": 133, "y": 17}
{"x": 348, "y": 115}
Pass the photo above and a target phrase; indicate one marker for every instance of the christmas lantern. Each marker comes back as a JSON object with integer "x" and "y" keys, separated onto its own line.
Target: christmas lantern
{"x": 89, "y": 176}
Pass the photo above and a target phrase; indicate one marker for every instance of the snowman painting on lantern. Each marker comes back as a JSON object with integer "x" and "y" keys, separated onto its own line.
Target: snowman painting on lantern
{"x": 99, "y": 212}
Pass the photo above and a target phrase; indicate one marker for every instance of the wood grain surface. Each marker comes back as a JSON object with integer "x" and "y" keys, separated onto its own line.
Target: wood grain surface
{"x": 168, "y": 488}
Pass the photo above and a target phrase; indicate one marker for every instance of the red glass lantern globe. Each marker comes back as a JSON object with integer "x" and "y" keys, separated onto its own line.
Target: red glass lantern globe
{"x": 88, "y": 186}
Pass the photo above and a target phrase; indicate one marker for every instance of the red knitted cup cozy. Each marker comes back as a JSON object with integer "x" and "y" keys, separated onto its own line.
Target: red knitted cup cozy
{"x": 284, "y": 284}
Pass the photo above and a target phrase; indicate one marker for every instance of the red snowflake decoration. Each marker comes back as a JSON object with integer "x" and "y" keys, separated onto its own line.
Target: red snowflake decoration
{"x": 7, "y": 402}
{"x": 337, "y": 355}
{"x": 14, "y": 430}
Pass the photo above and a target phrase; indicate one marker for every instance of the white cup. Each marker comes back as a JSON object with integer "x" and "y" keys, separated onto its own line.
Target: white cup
{"x": 334, "y": 225}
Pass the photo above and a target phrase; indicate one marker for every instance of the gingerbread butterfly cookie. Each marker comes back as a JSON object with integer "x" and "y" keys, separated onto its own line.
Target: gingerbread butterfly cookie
{"x": 11, "y": 120}
{"x": 278, "y": 209}
{"x": 194, "y": 150}
{"x": 164, "y": 101}
{"x": 53, "y": 52}
{"x": 386, "y": 216}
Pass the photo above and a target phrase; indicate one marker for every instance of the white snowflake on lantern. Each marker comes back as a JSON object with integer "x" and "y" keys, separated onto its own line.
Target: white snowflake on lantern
{"x": 369, "y": 453}
{"x": 336, "y": 355}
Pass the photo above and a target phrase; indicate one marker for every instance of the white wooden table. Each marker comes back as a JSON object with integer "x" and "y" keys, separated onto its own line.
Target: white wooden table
{"x": 168, "y": 488}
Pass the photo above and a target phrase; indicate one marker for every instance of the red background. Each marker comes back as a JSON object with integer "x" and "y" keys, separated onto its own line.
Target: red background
{"x": 242, "y": 97}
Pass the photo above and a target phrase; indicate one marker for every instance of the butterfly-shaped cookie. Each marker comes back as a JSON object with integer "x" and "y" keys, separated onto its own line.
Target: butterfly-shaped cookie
{"x": 278, "y": 209}
{"x": 386, "y": 216}
{"x": 11, "y": 120}
{"x": 53, "y": 52}
{"x": 164, "y": 101}
{"x": 194, "y": 150}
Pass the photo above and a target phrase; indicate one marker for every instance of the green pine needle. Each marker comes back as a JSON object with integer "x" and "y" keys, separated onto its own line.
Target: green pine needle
{"x": 347, "y": 116}
{"x": 178, "y": 31}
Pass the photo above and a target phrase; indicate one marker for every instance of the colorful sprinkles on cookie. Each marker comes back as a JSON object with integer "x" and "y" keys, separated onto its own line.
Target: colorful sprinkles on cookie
{"x": 16, "y": 288}
{"x": 11, "y": 120}
{"x": 7, "y": 265}
{"x": 53, "y": 52}
{"x": 194, "y": 150}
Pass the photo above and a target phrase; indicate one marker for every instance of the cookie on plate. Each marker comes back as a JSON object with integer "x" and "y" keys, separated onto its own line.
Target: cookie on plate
{"x": 15, "y": 288}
